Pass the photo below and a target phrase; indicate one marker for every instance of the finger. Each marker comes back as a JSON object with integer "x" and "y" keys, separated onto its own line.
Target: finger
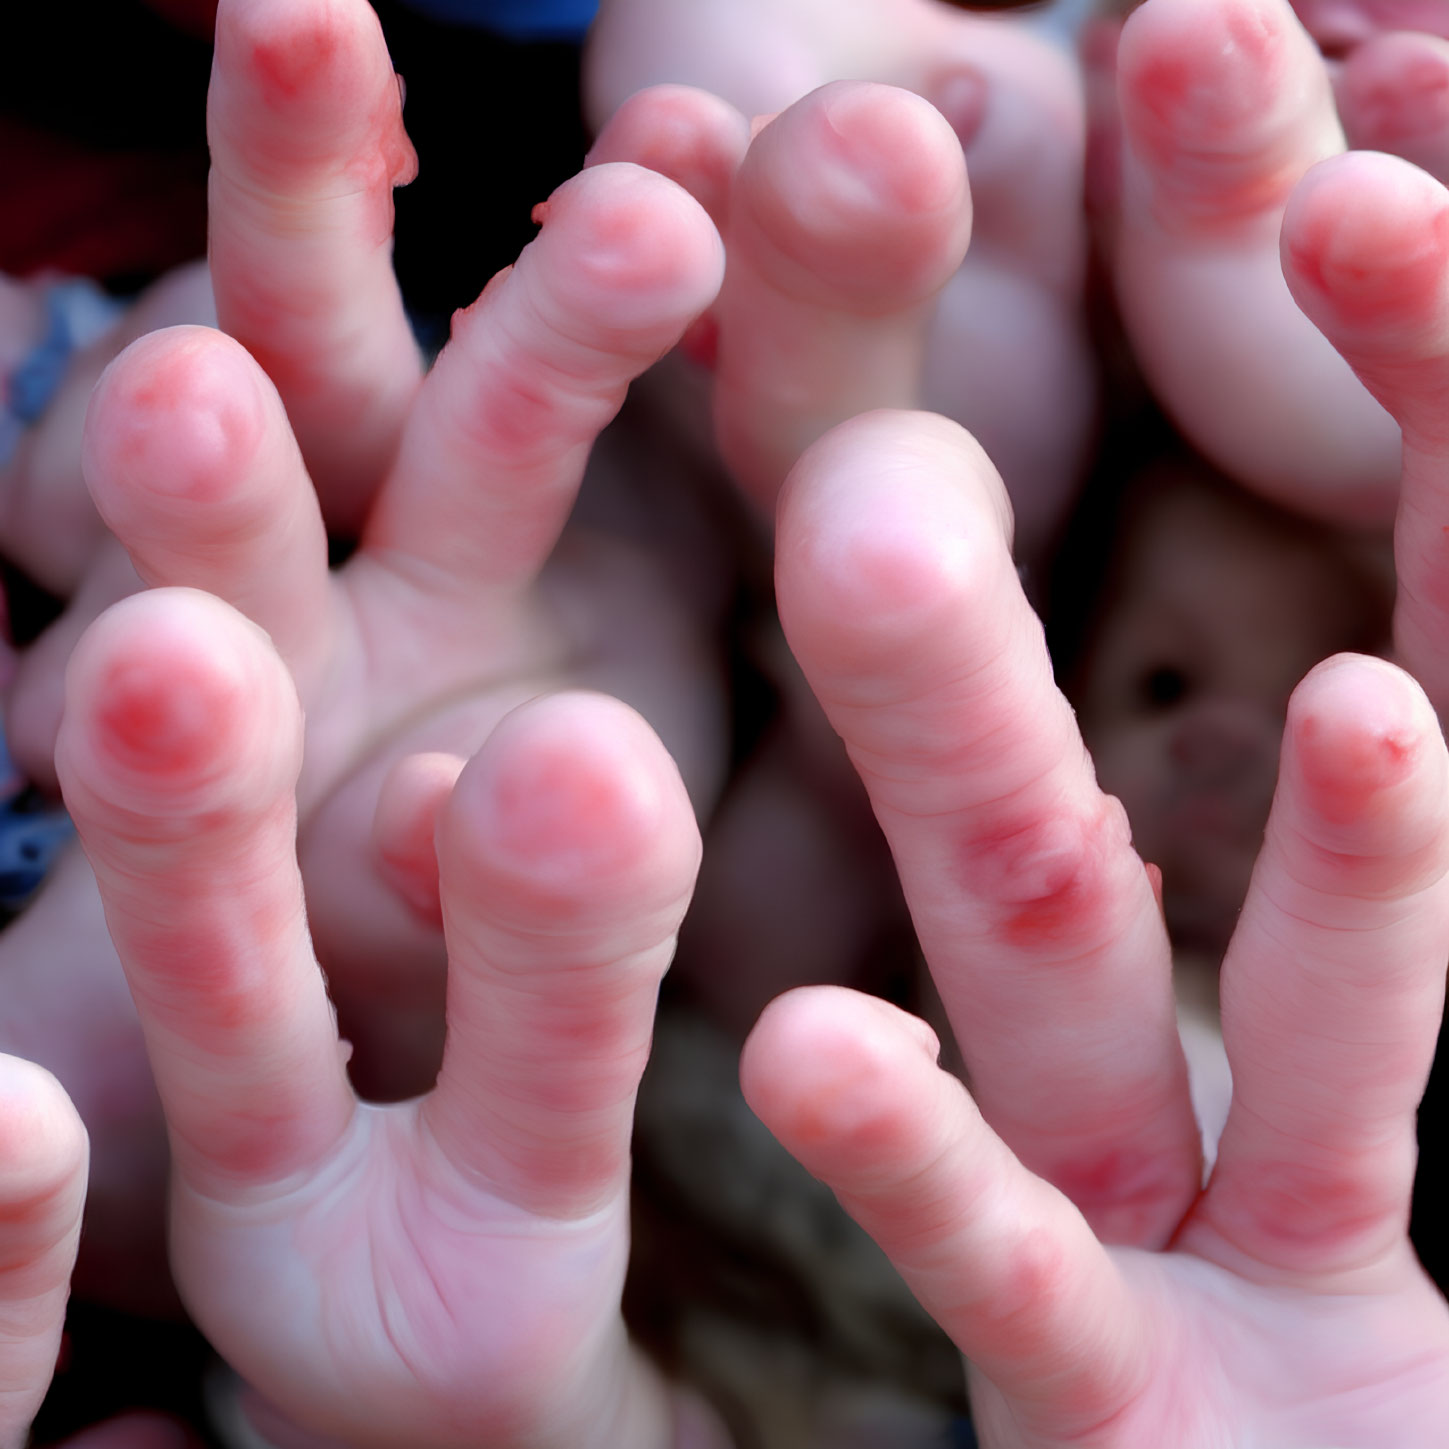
{"x": 47, "y": 518}
{"x": 694, "y": 138}
{"x": 1334, "y": 983}
{"x": 1225, "y": 104}
{"x": 1393, "y": 95}
{"x": 850, "y": 213}
{"x": 698, "y": 141}
{"x": 178, "y": 755}
{"x": 193, "y": 466}
{"x": 496, "y": 446}
{"x": 900, "y": 600}
{"x": 304, "y": 118}
{"x": 42, "y": 1192}
{"x": 1001, "y": 1260}
{"x": 1366, "y": 251}
{"x": 567, "y": 856}
{"x": 409, "y": 807}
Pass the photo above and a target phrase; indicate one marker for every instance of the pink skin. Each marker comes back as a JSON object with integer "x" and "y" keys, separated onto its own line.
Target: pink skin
{"x": 1366, "y": 251}
{"x": 304, "y": 117}
{"x": 441, "y": 622}
{"x": 1283, "y": 1304}
{"x": 845, "y": 218}
{"x": 47, "y": 520}
{"x": 1393, "y": 95}
{"x": 1005, "y": 353}
{"x": 429, "y": 1273}
{"x": 42, "y": 1189}
{"x": 432, "y": 632}
{"x": 1342, "y": 25}
{"x": 43, "y": 1162}
{"x": 1224, "y": 105}
{"x": 899, "y": 598}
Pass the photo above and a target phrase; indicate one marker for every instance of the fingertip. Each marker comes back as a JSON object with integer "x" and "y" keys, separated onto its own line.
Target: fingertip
{"x": 643, "y": 255}
{"x": 1360, "y": 730}
{"x": 1195, "y": 70}
{"x": 856, "y": 194}
{"x": 180, "y": 415}
{"x": 892, "y": 141}
{"x": 1223, "y": 102}
{"x": 835, "y": 1075}
{"x": 688, "y": 135}
{"x": 44, "y": 1149}
{"x": 1367, "y": 236}
{"x": 887, "y": 522}
{"x": 1393, "y": 94}
{"x": 572, "y": 808}
{"x": 320, "y": 63}
{"x": 172, "y": 696}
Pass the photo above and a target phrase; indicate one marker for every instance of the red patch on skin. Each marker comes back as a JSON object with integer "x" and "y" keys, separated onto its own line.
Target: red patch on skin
{"x": 1045, "y": 879}
{"x": 1161, "y": 88}
{"x": 1033, "y": 1272}
{"x": 149, "y": 721}
{"x": 1201, "y": 89}
{"x": 188, "y": 427}
{"x": 512, "y": 418}
{"x": 1313, "y": 1210}
{"x": 1400, "y": 276}
{"x": 552, "y": 809}
{"x": 1121, "y": 1193}
{"x": 289, "y": 66}
{"x": 252, "y": 1147}
{"x": 1347, "y": 771}
{"x": 306, "y": 75}
{"x": 163, "y": 380}
{"x": 539, "y": 214}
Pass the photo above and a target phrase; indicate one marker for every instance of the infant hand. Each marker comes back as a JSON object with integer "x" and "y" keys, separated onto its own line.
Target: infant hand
{"x": 1280, "y": 1303}
{"x": 436, "y": 1272}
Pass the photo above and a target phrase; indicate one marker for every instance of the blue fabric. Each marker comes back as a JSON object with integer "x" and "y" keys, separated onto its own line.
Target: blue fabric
{"x": 32, "y": 834}
{"x": 76, "y": 313}
{"x": 517, "y": 19}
